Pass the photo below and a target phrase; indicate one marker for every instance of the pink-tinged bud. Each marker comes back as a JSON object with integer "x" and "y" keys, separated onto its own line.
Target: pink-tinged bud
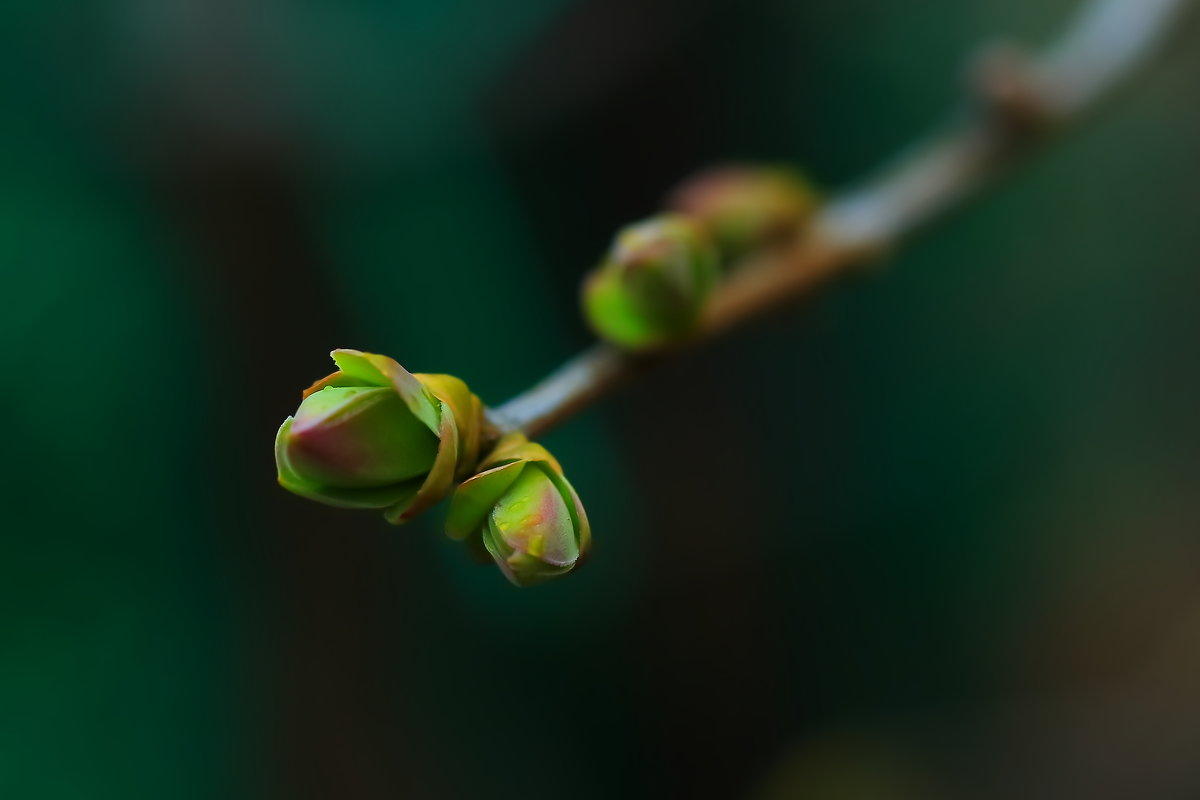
{"x": 530, "y": 532}
{"x": 356, "y": 436}
{"x": 373, "y": 435}
{"x": 524, "y": 513}
{"x": 743, "y": 206}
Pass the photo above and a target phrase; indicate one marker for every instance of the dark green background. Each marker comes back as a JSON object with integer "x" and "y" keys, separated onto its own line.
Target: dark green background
{"x": 933, "y": 535}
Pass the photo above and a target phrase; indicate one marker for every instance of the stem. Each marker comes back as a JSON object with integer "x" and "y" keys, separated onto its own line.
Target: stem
{"x": 570, "y": 388}
{"x": 1018, "y": 100}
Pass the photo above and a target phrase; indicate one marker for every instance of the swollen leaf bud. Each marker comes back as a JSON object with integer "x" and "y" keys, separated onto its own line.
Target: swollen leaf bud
{"x": 743, "y": 207}
{"x": 355, "y": 436}
{"x": 523, "y": 511}
{"x": 373, "y": 435}
{"x": 652, "y": 286}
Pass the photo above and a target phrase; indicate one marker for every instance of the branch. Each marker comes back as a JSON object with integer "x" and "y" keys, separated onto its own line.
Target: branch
{"x": 1018, "y": 100}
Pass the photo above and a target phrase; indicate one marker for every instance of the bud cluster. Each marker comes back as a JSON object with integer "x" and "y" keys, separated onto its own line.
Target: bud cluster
{"x": 651, "y": 289}
{"x": 372, "y": 435}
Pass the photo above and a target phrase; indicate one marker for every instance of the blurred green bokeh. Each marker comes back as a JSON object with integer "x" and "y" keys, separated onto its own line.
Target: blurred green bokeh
{"x": 934, "y": 534}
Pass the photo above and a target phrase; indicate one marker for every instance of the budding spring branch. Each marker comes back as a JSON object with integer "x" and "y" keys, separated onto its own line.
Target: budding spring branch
{"x": 1017, "y": 101}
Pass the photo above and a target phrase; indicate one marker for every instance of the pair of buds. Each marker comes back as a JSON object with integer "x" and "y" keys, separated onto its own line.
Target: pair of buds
{"x": 651, "y": 289}
{"x": 374, "y": 436}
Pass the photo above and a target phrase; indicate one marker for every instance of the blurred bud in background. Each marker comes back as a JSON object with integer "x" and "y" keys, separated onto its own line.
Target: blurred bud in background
{"x": 746, "y": 206}
{"x": 654, "y": 283}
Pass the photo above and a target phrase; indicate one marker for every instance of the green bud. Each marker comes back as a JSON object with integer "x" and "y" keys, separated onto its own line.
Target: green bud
{"x": 356, "y": 436}
{"x": 523, "y": 511}
{"x": 373, "y": 435}
{"x": 744, "y": 207}
{"x": 653, "y": 285}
